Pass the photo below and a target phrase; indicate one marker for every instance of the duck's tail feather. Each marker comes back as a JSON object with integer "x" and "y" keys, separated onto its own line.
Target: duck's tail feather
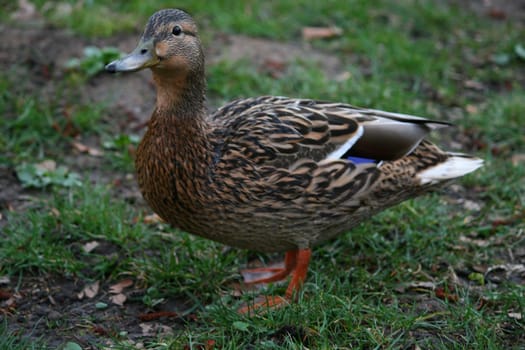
{"x": 456, "y": 165}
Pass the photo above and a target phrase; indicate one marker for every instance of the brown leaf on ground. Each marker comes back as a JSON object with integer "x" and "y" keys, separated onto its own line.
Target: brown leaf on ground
{"x": 100, "y": 330}
{"x": 496, "y": 13}
{"x": 156, "y": 315}
{"x": 89, "y": 291}
{"x": 120, "y": 286}
{"x": 518, "y": 217}
{"x": 5, "y": 280}
{"x": 95, "y": 152}
{"x": 312, "y": 33}
{"x": 447, "y": 294}
{"x": 118, "y": 299}
{"x": 152, "y": 219}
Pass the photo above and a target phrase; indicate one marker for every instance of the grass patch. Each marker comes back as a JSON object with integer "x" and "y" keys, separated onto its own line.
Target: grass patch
{"x": 410, "y": 56}
{"x": 33, "y": 127}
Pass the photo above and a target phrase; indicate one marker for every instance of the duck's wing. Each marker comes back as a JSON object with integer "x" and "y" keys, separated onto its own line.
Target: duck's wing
{"x": 279, "y": 131}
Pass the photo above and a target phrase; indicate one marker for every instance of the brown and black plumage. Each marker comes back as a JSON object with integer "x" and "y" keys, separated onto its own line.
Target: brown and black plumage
{"x": 271, "y": 174}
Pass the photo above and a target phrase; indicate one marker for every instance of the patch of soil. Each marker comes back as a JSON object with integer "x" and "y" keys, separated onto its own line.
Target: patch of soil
{"x": 52, "y": 308}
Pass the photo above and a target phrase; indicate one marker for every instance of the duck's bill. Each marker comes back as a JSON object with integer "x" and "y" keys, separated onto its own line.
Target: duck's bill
{"x": 142, "y": 57}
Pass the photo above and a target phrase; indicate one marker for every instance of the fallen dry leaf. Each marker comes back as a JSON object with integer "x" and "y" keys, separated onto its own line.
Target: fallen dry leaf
{"x": 55, "y": 212}
{"x": 11, "y": 302}
{"x": 447, "y": 294}
{"x": 89, "y": 290}
{"x": 474, "y": 85}
{"x": 26, "y": 10}
{"x": 151, "y": 329}
{"x": 119, "y": 287}
{"x": 422, "y": 285}
{"x": 152, "y": 219}
{"x": 146, "y": 329}
{"x": 477, "y": 242}
{"x": 49, "y": 165}
{"x": 100, "y": 330}
{"x": 86, "y": 149}
{"x": 515, "y": 315}
{"x": 312, "y": 33}
{"x": 10, "y": 299}
{"x": 471, "y": 109}
{"x": 5, "y": 294}
{"x": 508, "y": 269}
{"x": 89, "y": 246}
{"x": 118, "y": 299}
{"x": 5, "y": 280}
{"x": 516, "y": 159}
{"x": 471, "y": 205}
{"x": 344, "y": 76}
{"x": 156, "y": 315}
{"x": 497, "y": 13}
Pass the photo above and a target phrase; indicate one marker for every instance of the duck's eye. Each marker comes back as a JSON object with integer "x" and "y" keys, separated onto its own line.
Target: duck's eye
{"x": 177, "y": 30}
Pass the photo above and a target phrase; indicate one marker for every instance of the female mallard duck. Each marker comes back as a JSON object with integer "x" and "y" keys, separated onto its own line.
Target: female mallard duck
{"x": 272, "y": 174}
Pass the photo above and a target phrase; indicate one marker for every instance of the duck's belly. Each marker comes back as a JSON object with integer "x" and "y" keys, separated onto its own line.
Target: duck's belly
{"x": 245, "y": 227}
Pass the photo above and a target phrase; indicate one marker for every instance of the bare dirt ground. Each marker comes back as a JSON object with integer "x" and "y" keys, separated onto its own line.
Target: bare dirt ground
{"x": 37, "y": 53}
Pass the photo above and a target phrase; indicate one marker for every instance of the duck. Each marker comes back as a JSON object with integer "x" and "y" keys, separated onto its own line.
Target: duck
{"x": 271, "y": 173}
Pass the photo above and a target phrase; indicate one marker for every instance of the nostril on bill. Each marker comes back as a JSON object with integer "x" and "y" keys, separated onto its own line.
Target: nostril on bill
{"x": 111, "y": 67}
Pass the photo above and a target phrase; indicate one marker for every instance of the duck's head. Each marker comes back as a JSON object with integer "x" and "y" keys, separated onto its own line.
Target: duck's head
{"x": 169, "y": 43}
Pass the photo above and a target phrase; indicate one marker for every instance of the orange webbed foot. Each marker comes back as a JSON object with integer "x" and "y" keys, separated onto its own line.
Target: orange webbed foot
{"x": 296, "y": 263}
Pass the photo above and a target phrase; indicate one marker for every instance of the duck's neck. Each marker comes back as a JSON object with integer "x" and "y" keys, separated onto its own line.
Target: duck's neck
{"x": 180, "y": 97}
{"x": 179, "y": 121}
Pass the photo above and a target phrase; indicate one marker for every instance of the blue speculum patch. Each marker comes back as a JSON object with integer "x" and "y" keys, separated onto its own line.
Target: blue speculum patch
{"x": 360, "y": 160}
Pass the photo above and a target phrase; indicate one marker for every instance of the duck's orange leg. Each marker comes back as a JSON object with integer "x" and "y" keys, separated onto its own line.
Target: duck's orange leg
{"x": 301, "y": 259}
{"x": 299, "y": 274}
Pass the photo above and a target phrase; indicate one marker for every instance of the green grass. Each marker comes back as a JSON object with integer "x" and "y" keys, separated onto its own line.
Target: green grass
{"x": 33, "y": 126}
{"x": 407, "y": 56}
{"x": 11, "y": 341}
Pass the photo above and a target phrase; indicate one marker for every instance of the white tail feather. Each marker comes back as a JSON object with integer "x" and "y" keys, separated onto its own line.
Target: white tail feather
{"x": 455, "y": 166}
